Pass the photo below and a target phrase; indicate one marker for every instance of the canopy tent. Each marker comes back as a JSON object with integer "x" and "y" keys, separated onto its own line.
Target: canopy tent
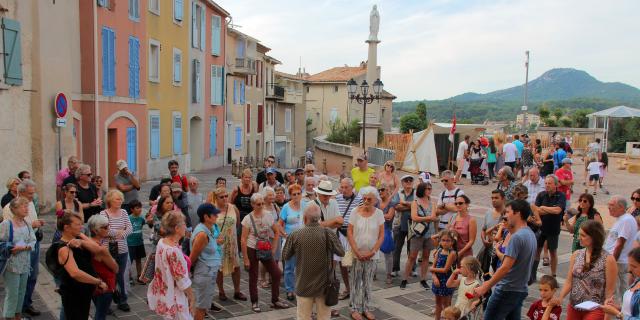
{"x": 607, "y": 114}
{"x": 421, "y": 155}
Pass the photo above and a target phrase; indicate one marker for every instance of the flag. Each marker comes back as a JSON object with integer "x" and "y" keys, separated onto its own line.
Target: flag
{"x": 453, "y": 128}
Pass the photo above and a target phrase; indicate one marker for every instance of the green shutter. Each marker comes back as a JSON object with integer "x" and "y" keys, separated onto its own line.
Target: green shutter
{"x": 12, "y": 52}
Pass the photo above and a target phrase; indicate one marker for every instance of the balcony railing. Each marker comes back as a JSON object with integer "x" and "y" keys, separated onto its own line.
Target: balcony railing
{"x": 275, "y": 91}
{"x": 245, "y": 65}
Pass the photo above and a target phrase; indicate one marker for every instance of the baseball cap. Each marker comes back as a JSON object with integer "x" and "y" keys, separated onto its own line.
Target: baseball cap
{"x": 208, "y": 209}
{"x": 271, "y": 170}
{"x": 406, "y": 177}
{"x": 121, "y": 164}
{"x": 176, "y": 186}
{"x": 361, "y": 157}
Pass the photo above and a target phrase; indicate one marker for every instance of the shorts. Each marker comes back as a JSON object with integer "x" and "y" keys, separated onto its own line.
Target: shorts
{"x": 510, "y": 164}
{"x": 204, "y": 285}
{"x": 594, "y": 177}
{"x": 421, "y": 244}
{"x": 137, "y": 252}
{"x": 552, "y": 241}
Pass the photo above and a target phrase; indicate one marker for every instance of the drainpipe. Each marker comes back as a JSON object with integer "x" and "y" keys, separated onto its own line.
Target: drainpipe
{"x": 226, "y": 139}
{"x": 95, "y": 89}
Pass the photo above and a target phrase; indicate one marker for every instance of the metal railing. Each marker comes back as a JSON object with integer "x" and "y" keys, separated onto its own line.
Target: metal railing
{"x": 275, "y": 91}
{"x": 246, "y": 63}
{"x": 379, "y": 156}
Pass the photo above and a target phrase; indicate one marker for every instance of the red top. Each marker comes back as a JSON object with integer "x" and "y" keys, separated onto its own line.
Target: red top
{"x": 564, "y": 174}
{"x": 537, "y": 311}
{"x": 106, "y": 274}
{"x": 182, "y": 179}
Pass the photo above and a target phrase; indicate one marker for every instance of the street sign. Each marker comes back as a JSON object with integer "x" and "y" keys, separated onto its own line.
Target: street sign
{"x": 60, "y": 105}
{"x": 61, "y": 122}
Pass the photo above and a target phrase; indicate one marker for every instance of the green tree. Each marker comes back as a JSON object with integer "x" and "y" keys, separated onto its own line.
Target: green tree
{"x": 411, "y": 121}
{"x": 565, "y": 122}
{"x": 557, "y": 113}
{"x": 421, "y": 111}
{"x": 579, "y": 118}
{"x": 544, "y": 113}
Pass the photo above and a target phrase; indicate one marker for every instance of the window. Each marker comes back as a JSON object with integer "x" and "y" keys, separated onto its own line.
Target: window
{"x": 134, "y": 10}
{"x": 177, "y": 133}
{"x": 178, "y": 8}
{"x": 213, "y": 128}
{"x": 217, "y": 86}
{"x": 307, "y": 89}
{"x": 240, "y": 46}
{"x": 335, "y": 88}
{"x": 108, "y": 62}
{"x": 12, "y": 52}
{"x": 248, "y": 126}
{"x": 334, "y": 115}
{"x": 235, "y": 92}
{"x": 216, "y": 31}
{"x": 134, "y": 67}
{"x": 260, "y": 118}
{"x": 154, "y": 140}
{"x": 177, "y": 66}
{"x": 287, "y": 120}
{"x": 154, "y": 6}
{"x": 238, "y": 141}
{"x": 242, "y": 96}
{"x": 103, "y": 3}
{"x": 154, "y": 60}
{"x": 132, "y": 149}
{"x": 197, "y": 27}
{"x": 195, "y": 77}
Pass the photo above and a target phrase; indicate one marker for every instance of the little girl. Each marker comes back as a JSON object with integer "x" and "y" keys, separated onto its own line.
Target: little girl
{"x": 501, "y": 242}
{"x": 604, "y": 159}
{"x": 470, "y": 271}
{"x": 443, "y": 261}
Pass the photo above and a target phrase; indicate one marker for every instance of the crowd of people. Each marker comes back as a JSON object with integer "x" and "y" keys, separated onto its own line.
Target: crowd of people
{"x": 296, "y": 228}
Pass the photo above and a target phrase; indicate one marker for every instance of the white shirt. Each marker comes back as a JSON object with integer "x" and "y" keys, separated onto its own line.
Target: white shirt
{"x": 330, "y": 211}
{"x": 594, "y": 168}
{"x": 625, "y": 227}
{"x": 449, "y": 197}
{"x": 462, "y": 147}
{"x": 366, "y": 230}
{"x": 510, "y": 152}
{"x": 534, "y": 189}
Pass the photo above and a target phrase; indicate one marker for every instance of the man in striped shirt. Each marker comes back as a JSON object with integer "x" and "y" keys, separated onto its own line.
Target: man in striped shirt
{"x": 347, "y": 200}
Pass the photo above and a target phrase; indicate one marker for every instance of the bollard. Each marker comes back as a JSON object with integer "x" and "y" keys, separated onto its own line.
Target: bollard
{"x": 234, "y": 165}
{"x": 344, "y": 169}
{"x": 324, "y": 166}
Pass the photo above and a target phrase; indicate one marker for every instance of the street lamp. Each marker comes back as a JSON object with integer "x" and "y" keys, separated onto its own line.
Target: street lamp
{"x": 364, "y": 98}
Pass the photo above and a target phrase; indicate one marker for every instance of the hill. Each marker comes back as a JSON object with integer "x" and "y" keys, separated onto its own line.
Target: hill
{"x": 563, "y": 88}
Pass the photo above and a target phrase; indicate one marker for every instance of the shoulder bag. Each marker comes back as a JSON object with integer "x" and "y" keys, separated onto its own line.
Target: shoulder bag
{"x": 420, "y": 228}
{"x": 332, "y": 289}
{"x": 342, "y": 228}
{"x": 263, "y": 246}
{"x": 5, "y": 250}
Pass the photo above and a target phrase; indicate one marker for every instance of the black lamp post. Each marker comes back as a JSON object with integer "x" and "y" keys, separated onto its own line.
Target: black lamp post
{"x": 364, "y": 97}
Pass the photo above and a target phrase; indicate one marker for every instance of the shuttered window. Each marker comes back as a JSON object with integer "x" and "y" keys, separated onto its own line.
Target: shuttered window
{"x": 260, "y": 118}
{"x": 238, "y": 141}
{"x": 154, "y": 140}
{"x": 235, "y": 92}
{"x": 217, "y": 86}
{"x": 132, "y": 149}
{"x": 177, "y": 133}
{"x": 178, "y": 8}
{"x": 213, "y": 136}
{"x": 12, "y": 50}
{"x": 108, "y": 62}
{"x": 134, "y": 67}
{"x": 195, "y": 86}
{"x": 216, "y": 31}
{"x": 177, "y": 66}
{"x": 287, "y": 120}
{"x": 242, "y": 96}
{"x": 248, "y": 125}
{"x": 134, "y": 10}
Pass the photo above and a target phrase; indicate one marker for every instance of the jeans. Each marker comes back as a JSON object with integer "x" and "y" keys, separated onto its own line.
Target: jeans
{"x": 33, "y": 276}
{"x": 504, "y": 305}
{"x": 102, "y": 303}
{"x": 290, "y": 275}
{"x": 399, "y": 238}
{"x": 122, "y": 277}
{"x": 15, "y": 287}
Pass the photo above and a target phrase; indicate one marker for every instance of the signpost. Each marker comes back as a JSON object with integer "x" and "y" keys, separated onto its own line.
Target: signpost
{"x": 60, "y": 106}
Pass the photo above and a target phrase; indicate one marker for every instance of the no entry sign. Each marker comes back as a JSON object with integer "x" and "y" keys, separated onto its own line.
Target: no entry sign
{"x": 60, "y": 105}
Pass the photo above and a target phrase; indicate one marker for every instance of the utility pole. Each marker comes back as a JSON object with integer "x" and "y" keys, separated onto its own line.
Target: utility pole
{"x": 526, "y": 84}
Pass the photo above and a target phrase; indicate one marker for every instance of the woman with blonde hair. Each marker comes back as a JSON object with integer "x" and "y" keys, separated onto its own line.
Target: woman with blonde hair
{"x": 12, "y": 191}
{"x": 389, "y": 177}
{"x": 230, "y": 265}
{"x": 119, "y": 229}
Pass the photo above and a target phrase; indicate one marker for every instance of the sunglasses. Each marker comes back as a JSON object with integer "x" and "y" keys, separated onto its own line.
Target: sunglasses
{"x": 310, "y": 171}
{"x": 635, "y": 199}
{"x": 105, "y": 227}
{"x": 381, "y": 189}
{"x": 460, "y": 203}
{"x": 224, "y": 196}
{"x": 259, "y": 204}
{"x": 445, "y": 180}
{"x": 87, "y": 174}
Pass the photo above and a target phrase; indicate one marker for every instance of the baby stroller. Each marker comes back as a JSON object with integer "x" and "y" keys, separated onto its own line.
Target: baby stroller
{"x": 477, "y": 175}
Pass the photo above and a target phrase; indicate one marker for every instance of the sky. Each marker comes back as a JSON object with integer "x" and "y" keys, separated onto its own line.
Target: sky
{"x": 435, "y": 49}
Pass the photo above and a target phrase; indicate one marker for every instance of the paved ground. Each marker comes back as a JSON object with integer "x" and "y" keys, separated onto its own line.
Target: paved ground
{"x": 389, "y": 301}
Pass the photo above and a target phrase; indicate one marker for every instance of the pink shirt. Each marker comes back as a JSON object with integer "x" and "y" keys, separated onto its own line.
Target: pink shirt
{"x": 62, "y": 174}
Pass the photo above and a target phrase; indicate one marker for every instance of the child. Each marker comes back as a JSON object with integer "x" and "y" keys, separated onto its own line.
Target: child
{"x": 604, "y": 160}
{"x": 451, "y": 313}
{"x": 594, "y": 174}
{"x": 470, "y": 271}
{"x": 501, "y": 241}
{"x": 134, "y": 240}
{"x": 541, "y": 309}
{"x": 444, "y": 258}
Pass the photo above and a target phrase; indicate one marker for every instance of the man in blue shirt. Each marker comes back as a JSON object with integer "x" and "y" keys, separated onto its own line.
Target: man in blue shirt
{"x": 510, "y": 280}
{"x": 558, "y": 156}
{"x": 520, "y": 147}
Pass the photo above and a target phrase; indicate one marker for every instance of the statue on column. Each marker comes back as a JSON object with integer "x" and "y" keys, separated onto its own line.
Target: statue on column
{"x": 374, "y": 24}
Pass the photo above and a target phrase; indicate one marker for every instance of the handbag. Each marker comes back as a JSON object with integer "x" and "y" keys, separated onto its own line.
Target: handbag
{"x": 149, "y": 269}
{"x": 388, "y": 245}
{"x": 420, "y": 228}
{"x": 263, "y": 246}
{"x": 332, "y": 289}
{"x": 5, "y": 250}
{"x": 347, "y": 260}
{"x": 113, "y": 248}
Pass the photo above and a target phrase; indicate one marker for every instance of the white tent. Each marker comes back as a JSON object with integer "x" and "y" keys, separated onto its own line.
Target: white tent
{"x": 421, "y": 155}
{"x": 607, "y": 114}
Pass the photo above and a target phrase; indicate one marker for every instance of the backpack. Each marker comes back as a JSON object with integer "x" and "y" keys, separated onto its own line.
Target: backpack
{"x": 455, "y": 195}
{"x": 51, "y": 259}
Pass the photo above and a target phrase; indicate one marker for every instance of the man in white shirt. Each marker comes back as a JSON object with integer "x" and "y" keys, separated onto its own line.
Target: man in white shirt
{"x": 534, "y": 184}
{"x": 461, "y": 156}
{"x": 447, "y": 198}
{"x": 510, "y": 152}
{"x": 620, "y": 239}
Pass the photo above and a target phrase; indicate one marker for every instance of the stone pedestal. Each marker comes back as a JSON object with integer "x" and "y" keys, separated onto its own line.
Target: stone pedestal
{"x": 371, "y": 133}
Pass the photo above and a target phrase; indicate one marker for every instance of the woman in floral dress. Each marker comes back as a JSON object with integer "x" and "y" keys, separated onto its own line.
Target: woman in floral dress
{"x": 227, "y": 222}
{"x": 169, "y": 293}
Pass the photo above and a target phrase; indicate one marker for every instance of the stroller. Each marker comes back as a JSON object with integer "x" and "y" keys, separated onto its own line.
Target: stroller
{"x": 477, "y": 174}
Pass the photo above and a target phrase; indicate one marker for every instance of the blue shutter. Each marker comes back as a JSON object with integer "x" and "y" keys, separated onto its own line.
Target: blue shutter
{"x": 132, "y": 147}
{"x": 112, "y": 61}
{"x": 238, "y": 138}
{"x": 203, "y": 33}
{"x": 177, "y": 67}
{"x": 155, "y": 137}
{"x": 216, "y": 30}
{"x": 214, "y": 80}
{"x": 213, "y": 128}
{"x": 134, "y": 68}
{"x": 242, "y": 96}
{"x": 194, "y": 26}
{"x": 235, "y": 91}
{"x": 12, "y": 52}
{"x": 177, "y": 135}
{"x": 222, "y": 78}
{"x": 108, "y": 62}
{"x": 177, "y": 9}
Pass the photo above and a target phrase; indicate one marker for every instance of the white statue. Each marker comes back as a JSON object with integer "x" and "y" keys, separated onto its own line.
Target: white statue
{"x": 374, "y": 24}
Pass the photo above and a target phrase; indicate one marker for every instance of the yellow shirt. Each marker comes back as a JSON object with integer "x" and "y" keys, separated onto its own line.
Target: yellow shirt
{"x": 361, "y": 178}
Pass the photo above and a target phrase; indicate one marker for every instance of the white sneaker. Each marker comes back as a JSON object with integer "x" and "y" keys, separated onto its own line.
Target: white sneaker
{"x": 394, "y": 274}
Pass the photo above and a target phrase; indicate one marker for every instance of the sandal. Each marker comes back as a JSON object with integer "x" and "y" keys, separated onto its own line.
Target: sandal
{"x": 290, "y": 296}
{"x": 264, "y": 284}
{"x": 279, "y": 305}
{"x": 255, "y": 308}
{"x": 369, "y": 315}
{"x": 356, "y": 316}
{"x": 344, "y": 295}
{"x": 222, "y": 296}
{"x": 335, "y": 313}
{"x": 545, "y": 262}
{"x": 239, "y": 296}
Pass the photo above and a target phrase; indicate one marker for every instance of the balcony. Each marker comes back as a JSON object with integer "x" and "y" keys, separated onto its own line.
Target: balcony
{"x": 245, "y": 66}
{"x": 275, "y": 92}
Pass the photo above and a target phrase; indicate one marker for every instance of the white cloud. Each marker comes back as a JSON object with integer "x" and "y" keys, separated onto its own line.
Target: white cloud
{"x": 436, "y": 49}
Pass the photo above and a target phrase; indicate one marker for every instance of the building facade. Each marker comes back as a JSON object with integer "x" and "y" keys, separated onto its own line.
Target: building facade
{"x": 290, "y": 118}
